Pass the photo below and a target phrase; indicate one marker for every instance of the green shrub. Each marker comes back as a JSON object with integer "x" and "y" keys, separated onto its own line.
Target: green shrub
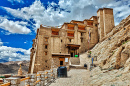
{"x": 124, "y": 42}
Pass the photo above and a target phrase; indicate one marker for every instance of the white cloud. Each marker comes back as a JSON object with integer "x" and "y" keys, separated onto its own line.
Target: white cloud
{"x": 14, "y": 27}
{"x": 18, "y": 1}
{"x": 1, "y": 43}
{"x": 13, "y": 54}
{"x": 78, "y": 10}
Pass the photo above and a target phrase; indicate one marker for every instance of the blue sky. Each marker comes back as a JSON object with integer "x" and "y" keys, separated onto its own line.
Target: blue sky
{"x": 19, "y": 20}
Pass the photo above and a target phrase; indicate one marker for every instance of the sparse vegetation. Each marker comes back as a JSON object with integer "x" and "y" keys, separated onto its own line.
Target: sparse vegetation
{"x": 119, "y": 75}
{"x": 124, "y": 42}
{"x": 113, "y": 52}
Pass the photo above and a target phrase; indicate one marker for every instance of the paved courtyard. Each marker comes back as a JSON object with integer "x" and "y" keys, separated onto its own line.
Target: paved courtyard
{"x": 76, "y": 77}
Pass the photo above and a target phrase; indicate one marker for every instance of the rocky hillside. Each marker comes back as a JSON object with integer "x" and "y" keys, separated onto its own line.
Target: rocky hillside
{"x": 13, "y": 66}
{"x": 111, "y": 54}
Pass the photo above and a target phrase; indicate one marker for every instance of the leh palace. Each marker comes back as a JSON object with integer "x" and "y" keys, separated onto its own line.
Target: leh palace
{"x": 56, "y": 46}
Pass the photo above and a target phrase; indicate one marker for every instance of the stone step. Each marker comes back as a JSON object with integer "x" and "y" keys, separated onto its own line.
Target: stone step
{"x": 77, "y": 67}
{"x": 74, "y": 61}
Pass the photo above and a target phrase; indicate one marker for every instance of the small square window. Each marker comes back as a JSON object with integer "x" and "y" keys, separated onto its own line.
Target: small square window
{"x": 45, "y": 53}
{"x": 46, "y": 61}
{"x": 81, "y": 34}
{"x": 81, "y": 40}
{"x": 96, "y": 25}
{"x": 45, "y": 46}
{"x": 70, "y": 40}
{"x": 46, "y": 40}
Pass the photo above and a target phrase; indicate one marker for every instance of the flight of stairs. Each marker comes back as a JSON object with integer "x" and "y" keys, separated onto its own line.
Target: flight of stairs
{"x": 75, "y": 63}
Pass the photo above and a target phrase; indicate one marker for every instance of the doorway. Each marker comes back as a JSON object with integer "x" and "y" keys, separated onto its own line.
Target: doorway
{"x": 61, "y": 63}
{"x": 62, "y": 60}
{"x": 72, "y": 53}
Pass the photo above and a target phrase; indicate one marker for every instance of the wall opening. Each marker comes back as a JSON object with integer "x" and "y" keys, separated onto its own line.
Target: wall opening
{"x": 81, "y": 40}
{"x": 61, "y": 62}
{"x": 81, "y": 34}
{"x": 46, "y": 61}
{"x": 70, "y": 40}
{"x": 71, "y": 54}
{"x": 45, "y": 53}
{"x": 45, "y": 46}
{"x": 46, "y": 40}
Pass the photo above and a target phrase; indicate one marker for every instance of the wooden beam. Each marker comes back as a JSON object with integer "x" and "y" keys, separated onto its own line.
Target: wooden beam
{"x": 38, "y": 74}
{"x": 6, "y": 84}
{"x": 37, "y": 81}
{"x": 24, "y": 78}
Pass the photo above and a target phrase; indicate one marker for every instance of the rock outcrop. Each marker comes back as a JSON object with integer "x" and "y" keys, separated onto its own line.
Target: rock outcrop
{"x": 13, "y": 66}
{"x": 112, "y": 54}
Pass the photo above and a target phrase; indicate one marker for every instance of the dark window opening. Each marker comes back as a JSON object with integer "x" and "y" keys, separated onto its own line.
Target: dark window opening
{"x": 45, "y": 53}
{"x": 81, "y": 34}
{"x": 61, "y": 40}
{"x": 46, "y": 61}
{"x": 71, "y": 54}
{"x": 81, "y": 40}
{"x": 45, "y": 46}
{"x": 96, "y": 25}
{"x": 46, "y": 40}
{"x": 61, "y": 62}
{"x": 70, "y": 40}
{"x": 46, "y": 66}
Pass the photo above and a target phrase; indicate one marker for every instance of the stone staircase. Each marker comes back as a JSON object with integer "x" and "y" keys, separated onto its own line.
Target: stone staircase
{"x": 74, "y": 61}
{"x": 77, "y": 67}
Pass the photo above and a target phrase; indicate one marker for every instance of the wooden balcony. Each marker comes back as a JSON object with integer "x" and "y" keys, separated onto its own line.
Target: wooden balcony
{"x": 90, "y": 23}
{"x": 70, "y": 34}
{"x": 55, "y": 33}
{"x": 71, "y": 28}
{"x": 81, "y": 28}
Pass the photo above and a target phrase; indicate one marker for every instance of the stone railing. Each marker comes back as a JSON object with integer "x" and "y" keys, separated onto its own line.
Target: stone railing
{"x": 42, "y": 78}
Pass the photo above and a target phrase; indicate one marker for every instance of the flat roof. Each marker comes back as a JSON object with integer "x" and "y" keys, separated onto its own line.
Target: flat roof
{"x": 88, "y": 20}
{"x": 94, "y": 17}
{"x": 76, "y": 21}
{"x": 68, "y": 23}
{"x": 104, "y": 8}
{"x": 51, "y": 27}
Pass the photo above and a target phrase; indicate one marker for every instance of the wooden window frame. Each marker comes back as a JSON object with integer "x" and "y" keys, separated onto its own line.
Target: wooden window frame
{"x": 81, "y": 40}
{"x": 46, "y": 39}
{"x": 45, "y": 53}
{"x": 55, "y": 33}
{"x": 69, "y": 40}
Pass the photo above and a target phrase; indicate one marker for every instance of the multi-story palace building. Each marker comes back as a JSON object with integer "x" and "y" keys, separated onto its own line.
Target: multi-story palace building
{"x": 53, "y": 46}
